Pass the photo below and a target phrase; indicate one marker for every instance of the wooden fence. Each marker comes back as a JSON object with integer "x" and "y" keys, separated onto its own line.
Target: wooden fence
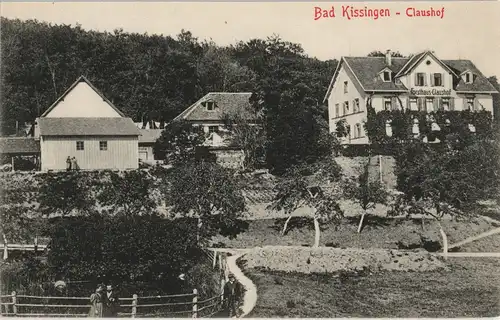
{"x": 174, "y": 306}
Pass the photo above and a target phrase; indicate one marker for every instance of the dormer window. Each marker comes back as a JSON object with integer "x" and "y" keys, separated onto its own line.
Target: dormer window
{"x": 210, "y": 105}
{"x": 469, "y": 77}
{"x": 386, "y": 76}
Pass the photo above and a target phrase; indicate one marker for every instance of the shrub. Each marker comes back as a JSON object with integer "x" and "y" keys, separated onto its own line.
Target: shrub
{"x": 123, "y": 250}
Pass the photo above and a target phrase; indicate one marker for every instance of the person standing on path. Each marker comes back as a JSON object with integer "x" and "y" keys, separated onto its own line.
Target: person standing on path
{"x": 232, "y": 292}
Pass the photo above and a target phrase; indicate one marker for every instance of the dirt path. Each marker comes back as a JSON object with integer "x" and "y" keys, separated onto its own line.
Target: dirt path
{"x": 250, "y": 295}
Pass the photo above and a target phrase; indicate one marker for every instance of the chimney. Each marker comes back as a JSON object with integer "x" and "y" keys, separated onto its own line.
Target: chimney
{"x": 388, "y": 58}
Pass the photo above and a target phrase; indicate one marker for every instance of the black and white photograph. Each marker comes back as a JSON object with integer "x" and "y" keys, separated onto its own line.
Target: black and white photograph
{"x": 250, "y": 159}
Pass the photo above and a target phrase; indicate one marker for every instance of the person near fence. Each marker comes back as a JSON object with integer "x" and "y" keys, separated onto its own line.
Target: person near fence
{"x": 97, "y": 302}
{"x": 111, "y": 303}
{"x": 231, "y": 296}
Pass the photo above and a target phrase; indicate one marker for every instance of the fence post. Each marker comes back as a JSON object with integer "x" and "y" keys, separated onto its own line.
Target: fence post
{"x": 134, "y": 305}
{"x": 195, "y": 303}
{"x": 14, "y": 301}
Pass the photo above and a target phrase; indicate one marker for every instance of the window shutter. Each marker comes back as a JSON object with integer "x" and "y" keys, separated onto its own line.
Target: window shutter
{"x": 433, "y": 83}
{"x": 393, "y": 103}
{"x": 476, "y": 104}
{"x": 408, "y": 103}
{"x": 425, "y": 80}
{"x": 435, "y": 104}
{"x": 452, "y": 103}
{"x": 416, "y": 78}
{"x": 465, "y": 103}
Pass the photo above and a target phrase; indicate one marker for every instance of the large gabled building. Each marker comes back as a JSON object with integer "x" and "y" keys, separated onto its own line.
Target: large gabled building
{"x": 85, "y": 125}
{"x": 421, "y": 82}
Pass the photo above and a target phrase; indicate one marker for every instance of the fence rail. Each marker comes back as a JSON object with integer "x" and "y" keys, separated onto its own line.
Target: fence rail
{"x": 23, "y": 306}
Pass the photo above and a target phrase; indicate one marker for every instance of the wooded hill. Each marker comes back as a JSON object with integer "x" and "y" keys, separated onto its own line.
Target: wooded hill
{"x": 146, "y": 76}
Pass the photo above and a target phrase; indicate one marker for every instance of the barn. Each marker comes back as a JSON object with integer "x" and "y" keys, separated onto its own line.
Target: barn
{"x": 83, "y": 124}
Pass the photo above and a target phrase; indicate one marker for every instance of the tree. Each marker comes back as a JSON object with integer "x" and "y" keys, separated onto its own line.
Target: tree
{"x": 124, "y": 249}
{"x": 209, "y": 193}
{"x": 450, "y": 181}
{"x": 365, "y": 192}
{"x": 496, "y": 97}
{"x": 247, "y": 135}
{"x": 311, "y": 185}
{"x": 20, "y": 220}
{"x": 178, "y": 142}
{"x": 378, "y": 53}
{"x": 342, "y": 129}
{"x": 66, "y": 192}
{"x": 128, "y": 193}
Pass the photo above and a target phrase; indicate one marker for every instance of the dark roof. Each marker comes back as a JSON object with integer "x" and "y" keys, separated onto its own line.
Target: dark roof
{"x": 149, "y": 135}
{"x": 82, "y": 79}
{"x": 411, "y": 62}
{"x": 480, "y": 83}
{"x": 225, "y": 102}
{"x": 87, "y": 127}
{"x": 367, "y": 71}
{"x": 19, "y": 145}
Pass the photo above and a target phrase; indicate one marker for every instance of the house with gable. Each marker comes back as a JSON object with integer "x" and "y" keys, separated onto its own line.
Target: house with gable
{"x": 209, "y": 113}
{"x": 84, "y": 124}
{"x": 422, "y": 82}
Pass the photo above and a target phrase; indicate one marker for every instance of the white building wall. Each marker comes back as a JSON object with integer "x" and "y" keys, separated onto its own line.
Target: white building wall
{"x": 122, "y": 153}
{"x": 83, "y": 102}
{"x": 338, "y": 95}
{"x": 428, "y": 69}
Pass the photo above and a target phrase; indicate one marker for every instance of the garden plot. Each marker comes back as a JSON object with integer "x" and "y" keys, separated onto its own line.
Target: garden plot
{"x": 330, "y": 260}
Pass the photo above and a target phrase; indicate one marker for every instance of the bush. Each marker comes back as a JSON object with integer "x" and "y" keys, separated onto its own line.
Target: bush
{"x": 125, "y": 250}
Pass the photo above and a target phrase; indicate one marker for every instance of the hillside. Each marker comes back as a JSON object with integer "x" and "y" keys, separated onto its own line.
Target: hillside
{"x": 148, "y": 77}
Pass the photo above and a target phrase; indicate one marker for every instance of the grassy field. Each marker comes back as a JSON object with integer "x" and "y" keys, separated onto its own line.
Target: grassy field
{"x": 379, "y": 232}
{"x": 471, "y": 288}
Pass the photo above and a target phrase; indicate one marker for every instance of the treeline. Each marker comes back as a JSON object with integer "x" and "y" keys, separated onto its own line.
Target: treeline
{"x": 146, "y": 76}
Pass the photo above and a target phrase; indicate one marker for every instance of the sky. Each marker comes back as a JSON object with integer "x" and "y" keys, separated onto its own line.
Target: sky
{"x": 467, "y": 30}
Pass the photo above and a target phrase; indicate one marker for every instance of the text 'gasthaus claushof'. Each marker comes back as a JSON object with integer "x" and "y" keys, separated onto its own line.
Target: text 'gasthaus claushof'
{"x": 352, "y": 12}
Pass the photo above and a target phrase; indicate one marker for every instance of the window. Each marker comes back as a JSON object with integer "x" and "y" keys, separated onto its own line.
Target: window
{"x": 337, "y": 110}
{"x": 420, "y": 80}
{"x": 345, "y": 86}
{"x": 79, "y": 145}
{"x": 445, "y": 104}
{"x": 387, "y": 76}
{"x": 103, "y": 145}
{"x": 438, "y": 80}
{"x": 213, "y": 129}
{"x": 346, "y": 107}
{"x": 413, "y": 103}
{"x": 355, "y": 107}
{"x": 210, "y": 105}
{"x": 429, "y": 105}
{"x": 470, "y": 103}
{"x": 468, "y": 77}
{"x": 357, "y": 133}
{"x": 387, "y": 103}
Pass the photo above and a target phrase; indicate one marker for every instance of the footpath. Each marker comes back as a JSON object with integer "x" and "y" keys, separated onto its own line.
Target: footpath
{"x": 250, "y": 294}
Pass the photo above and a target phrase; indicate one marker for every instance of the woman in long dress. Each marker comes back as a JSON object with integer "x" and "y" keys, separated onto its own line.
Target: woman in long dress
{"x": 97, "y": 301}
